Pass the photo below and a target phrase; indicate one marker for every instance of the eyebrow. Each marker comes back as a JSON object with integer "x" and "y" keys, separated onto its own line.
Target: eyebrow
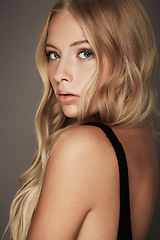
{"x": 71, "y": 45}
{"x": 78, "y": 43}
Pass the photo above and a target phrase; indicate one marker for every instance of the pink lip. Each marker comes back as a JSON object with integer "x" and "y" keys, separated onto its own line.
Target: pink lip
{"x": 66, "y": 97}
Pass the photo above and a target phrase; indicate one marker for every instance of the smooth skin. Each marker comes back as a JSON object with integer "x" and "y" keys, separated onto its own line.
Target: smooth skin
{"x": 80, "y": 193}
{"x": 72, "y": 62}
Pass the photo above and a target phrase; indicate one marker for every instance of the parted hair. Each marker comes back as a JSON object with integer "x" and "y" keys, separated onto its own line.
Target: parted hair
{"x": 123, "y": 30}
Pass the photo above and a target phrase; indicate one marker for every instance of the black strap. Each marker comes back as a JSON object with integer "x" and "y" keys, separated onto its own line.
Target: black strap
{"x": 125, "y": 229}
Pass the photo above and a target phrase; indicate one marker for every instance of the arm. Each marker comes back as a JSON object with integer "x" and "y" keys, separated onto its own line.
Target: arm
{"x": 71, "y": 183}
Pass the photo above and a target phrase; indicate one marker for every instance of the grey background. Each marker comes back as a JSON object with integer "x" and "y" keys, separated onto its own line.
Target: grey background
{"x": 20, "y": 91}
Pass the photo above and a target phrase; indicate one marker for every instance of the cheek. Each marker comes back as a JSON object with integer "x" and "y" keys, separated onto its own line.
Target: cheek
{"x": 51, "y": 71}
{"x": 85, "y": 73}
{"x": 106, "y": 71}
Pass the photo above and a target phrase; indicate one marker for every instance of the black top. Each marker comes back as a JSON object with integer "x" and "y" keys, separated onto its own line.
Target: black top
{"x": 125, "y": 229}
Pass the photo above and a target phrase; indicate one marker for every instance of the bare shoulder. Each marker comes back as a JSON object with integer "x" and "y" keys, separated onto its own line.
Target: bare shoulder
{"x": 79, "y": 178}
{"x": 83, "y": 137}
{"x": 86, "y": 149}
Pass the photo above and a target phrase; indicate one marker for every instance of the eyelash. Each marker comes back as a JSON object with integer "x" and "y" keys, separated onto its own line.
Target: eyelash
{"x": 91, "y": 54}
{"x": 48, "y": 54}
{"x": 87, "y": 51}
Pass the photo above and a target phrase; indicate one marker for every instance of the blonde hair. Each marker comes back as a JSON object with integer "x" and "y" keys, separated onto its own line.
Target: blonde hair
{"x": 121, "y": 29}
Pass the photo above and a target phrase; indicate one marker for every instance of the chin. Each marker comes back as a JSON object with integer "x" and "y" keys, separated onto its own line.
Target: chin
{"x": 70, "y": 111}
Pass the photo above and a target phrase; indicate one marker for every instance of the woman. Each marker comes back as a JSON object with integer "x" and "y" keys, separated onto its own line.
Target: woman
{"x": 96, "y": 59}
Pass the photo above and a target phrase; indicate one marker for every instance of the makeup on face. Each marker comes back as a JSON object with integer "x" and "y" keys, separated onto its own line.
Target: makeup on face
{"x": 71, "y": 61}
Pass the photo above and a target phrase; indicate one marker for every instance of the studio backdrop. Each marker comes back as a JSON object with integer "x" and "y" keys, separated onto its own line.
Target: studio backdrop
{"x": 20, "y": 91}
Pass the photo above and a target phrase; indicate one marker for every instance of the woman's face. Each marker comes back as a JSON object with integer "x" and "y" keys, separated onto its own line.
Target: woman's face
{"x": 72, "y": 62}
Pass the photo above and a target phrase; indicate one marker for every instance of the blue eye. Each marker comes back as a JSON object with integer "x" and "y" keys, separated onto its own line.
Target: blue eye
{"x": 85, "y": 54}
{"x": 53, "y": 55}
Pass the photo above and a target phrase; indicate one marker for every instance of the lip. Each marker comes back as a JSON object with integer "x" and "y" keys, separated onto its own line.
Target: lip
{"x": 66, "y": 97}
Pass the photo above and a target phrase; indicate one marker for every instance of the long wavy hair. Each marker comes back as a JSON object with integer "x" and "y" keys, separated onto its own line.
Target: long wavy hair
{"x": 127, "y": 98}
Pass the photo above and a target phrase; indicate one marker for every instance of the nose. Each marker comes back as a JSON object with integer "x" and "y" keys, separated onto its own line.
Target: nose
{"x": 63, "y": 71}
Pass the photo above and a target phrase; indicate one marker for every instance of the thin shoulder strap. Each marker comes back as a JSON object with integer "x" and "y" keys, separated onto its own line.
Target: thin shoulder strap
{"x": 125, "y": 229}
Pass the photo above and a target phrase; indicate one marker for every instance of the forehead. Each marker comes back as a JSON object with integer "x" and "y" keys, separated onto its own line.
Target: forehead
{"x": 64, "y": 27}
